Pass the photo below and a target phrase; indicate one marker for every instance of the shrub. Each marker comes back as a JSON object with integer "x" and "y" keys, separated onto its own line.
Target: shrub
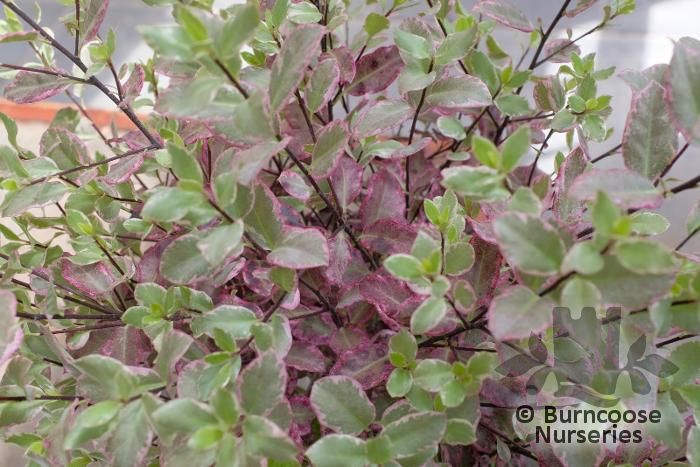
{"x": 339, "y": 249}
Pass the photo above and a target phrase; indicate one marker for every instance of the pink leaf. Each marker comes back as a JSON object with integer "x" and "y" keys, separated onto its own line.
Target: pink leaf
{"x": 294, "y": 185}
{"x": 384, "y": 200}
{"x": 11, "y": 334}
{"x": 28, "y": 87}
{"x": 506, "y": 14}
{"x": 388, "y": 237}
{"x": 567, "y": 209}
{"x": 306, "y": 358}
{"x": 368, "y": 365}
{"x": 384, "y": 292}
{"x": 626, "y": 188}
{"x": 560, "y": 50}
{"x": 132, "y": 87}
{"x": 121, "y": 170}
{"x": 376, "y": 71}
{"x": 347, "y": 180}
{"x": 93, "y": 16}
{"x": 580, "y": 7}
{"x": 346, "y": 63}
{"x": 345, "y": 264}
{"x": 96, "y": 280}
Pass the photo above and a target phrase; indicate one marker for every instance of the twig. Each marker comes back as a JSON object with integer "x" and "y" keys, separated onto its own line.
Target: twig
{"x": 687, "y": 239}
{"x": 537, "y": 157}
{"x": 231, "y": 78}
{"x": 672, "y": 163}
{"x": 44, "y": 71}
{"x": 607, "y": 153}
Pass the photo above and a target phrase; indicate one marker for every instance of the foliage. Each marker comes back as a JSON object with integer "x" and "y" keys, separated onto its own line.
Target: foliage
{"x": 315, "y": 248}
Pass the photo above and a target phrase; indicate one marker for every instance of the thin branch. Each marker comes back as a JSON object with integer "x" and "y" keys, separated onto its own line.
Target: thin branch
{"x": 672, "y": 163}
{"x": 537, "y": 157}
{"x": 690, "y": 184}
{"x": 687, "y": 239}
{"x": 547, "y": 33}
{"x": 607, "y": 153}
{"x": 39, "y": 398}
{"x": 77, "y": 27}
{"x": 45, "y": 71}
{"x": 92, "y": 164}
{"x": 43, "y": 317}
{"x": 305, "y": 113}
{"x": 92, "y": 327}
{"x": 231, "y": 78}
{"x": 334, "y": 314}
{"x": 675, "y": 339}
{"x": 567, "y": 45}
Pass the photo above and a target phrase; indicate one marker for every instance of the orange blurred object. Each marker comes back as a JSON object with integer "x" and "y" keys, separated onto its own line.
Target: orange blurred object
{"x": 45, "y": 112}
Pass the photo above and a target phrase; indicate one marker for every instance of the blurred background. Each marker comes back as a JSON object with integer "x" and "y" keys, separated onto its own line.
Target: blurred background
{"x": 634, "y": 42}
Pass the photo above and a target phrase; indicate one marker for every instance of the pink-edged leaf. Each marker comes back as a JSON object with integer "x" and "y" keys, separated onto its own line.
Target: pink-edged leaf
{"x": 323, "y": 84}
{"x": 626, "y": 188}
{"x": 306, "y": 357}
{"x": 559, "y": 50}
{"x": 133, "y": 85}
{"x": 567, "y": 209}
{"x": 506, "y": 14}
{"x": 345, "y": 263}
{"x": 246, "y": 165}
{"x": 549, "y": 94}
{"x": 347, "y": 180}
{"x": 96, "y": 280}
{"x": 340, "y": 403}
{"x": 295, "y": 185}
{"x": 330, "y": 145}
{"x": 147, "y": 268}
{"x": 346, "y": 63}
{"x": 121, "y": 170}
{"x": 682, "y": 83}
{"x": 379, "y": 117}
{"x": 300, "y": 47}
{"x": 368, "y": 365}
{"x": 388, "y": 237}
{"x": 91, "y": 19}
{"x": 376, "y": 71}
{"x": 11, "y": 334}
{"x": 638, "y": 80}
{"x": 457, "y": 93}
{"x": 384, "y": 200}
{"x": 28, "y": 87}
{"x": 515, "y": 306}
{"x": 300, "y": 248}
{"x": 262, "y": 383}
{"x": 580, "y": 7}
{"x": 649, "y": 140}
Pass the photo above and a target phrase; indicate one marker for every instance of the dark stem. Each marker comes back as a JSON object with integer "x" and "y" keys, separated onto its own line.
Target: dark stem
{"x": 302, "y": 106}
{"x": 537, "y": 157}
{"x": 687, "y": 239}
{"x": 607, "y": 153}
{"x": 77, "y": 27}
{"x": 44, "y": 71}
{"x": 231, "y": 78}
{"x": 672, "y": 163}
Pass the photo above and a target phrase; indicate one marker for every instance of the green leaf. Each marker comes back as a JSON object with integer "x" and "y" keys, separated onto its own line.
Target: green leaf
{"x": 375, "y": 23}
{"x": 583, "y": 257}
{"x": 235, "y": 321}
{"x": 379, "y": 450}
{"x": 413, "y": 45}
{"x": 263, "y": 218}
{"x": 182, "y": 262}
{"x": 640, "y": 256}
{"x": 685, "y": 357}
{"x": 91, "y": 423}
{"x": 341, "y": 404}
{"x": 304, "y": 13}
{"x": 579, "y": 293}
{"x": 461, "y": 92}
{"x": 428, "y": 315}
{"x": 649, "y": 141}
{"x": 299, "y": 48}
{"x": 322, "y": 84}
{"x": 131, "y": 436}
{"x": 515, "y": 306}
{"x": 475, "y": 183}
{"x": 79, "y": 222}
{"x": 335, "y": 450}
{"x": 414, "y": 77}
{"x": 512, "y": 105}
{"x": 515, "y": 147}
{"x": 455, "y": 46}
{"x": 328, "y": 149}
{"x": 170, "y": 204}
{"x": 32, "y": 196}
{"x": 182, "y": 415}
{"x": 173, "y": 346}
{"x": 236, "y": 31}
{"x": 300, "y": 248}
{"x": 683, "y": 80}
{"x": 525, "y": 200}
{"x": 415, "y": 433}
{"x": 205, "y": 438}
{"x": 459, "y": 258}
{"x": 431, "y": 374}
{"x": 529, "y": 243}
{"x": 399, "y": 383}
{"x": 262, "y": 384}
{"x": 481, "y": 66}
{"x": 648, "y": 223}
{"x": 451, "y": 127}
{"x": 404, "y": 343}
{"x": 264, "y": 439}
{"x": 404, "y": 267}
{"x": 486, "y": 152}
{"x": 220, "y": 242}
{"x": 193, "y": 27}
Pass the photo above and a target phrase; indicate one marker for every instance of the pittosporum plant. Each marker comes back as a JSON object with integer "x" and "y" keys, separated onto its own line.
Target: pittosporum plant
{"x": 321, "y": 247}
